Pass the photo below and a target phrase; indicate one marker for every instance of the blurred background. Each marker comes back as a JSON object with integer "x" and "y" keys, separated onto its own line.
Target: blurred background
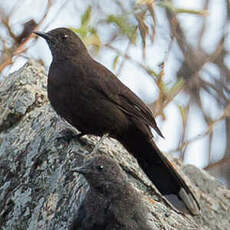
{"x": 174, "y": 54}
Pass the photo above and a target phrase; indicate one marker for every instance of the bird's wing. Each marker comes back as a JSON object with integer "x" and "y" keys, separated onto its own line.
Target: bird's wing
{"x": 114, "y": 90}
{"x": 136, "y": 108}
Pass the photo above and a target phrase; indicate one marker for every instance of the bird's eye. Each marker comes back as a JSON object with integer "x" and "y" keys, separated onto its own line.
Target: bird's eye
{"x": 100, "y": 167}
{"x": 64, "y": 37}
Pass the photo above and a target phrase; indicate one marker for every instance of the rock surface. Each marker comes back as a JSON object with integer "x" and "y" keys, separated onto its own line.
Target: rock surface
{"x": 37, "y": 189}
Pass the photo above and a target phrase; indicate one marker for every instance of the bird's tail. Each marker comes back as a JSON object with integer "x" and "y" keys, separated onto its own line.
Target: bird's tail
{"x": 160, "y": 170}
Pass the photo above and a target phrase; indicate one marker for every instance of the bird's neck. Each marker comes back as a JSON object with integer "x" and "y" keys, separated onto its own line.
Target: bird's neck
{"x": 69, "y": 56}
{"x": 112, "y": 190}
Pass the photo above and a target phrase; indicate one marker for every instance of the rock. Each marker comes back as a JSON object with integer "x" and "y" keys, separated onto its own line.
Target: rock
{"x": 37, "y": 189}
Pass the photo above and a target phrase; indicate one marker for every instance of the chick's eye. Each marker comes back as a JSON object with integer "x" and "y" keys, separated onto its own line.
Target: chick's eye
{"x": 100, "y": 167}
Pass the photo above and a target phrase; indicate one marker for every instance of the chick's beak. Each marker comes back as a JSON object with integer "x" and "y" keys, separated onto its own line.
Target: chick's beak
{"x": 82, "y": 170}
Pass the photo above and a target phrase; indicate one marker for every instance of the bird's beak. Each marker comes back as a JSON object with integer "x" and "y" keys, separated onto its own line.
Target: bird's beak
{"x": 43, "y": 35}
{"x": 82, "y": 170}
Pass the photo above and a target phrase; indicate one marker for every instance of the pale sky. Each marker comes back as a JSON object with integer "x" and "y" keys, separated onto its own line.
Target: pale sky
{"x": 135, "y": 78}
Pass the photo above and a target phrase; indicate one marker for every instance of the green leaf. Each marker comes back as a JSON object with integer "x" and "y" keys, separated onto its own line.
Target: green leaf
{"x": 94, "y": 40}
{"x": 183, "y": 112}
{"x": 150, "y": 71}
{"x": 169, "y": 6}
{"x": 85, "y": 18}
{"x": 115, "y": 61}
{"x": 82, "y": 31}
{"x": 191, "y": 11}
{"x": 89, "y": 35}
{"x": 177, "y": 86}
{"x": 125, "y": 27}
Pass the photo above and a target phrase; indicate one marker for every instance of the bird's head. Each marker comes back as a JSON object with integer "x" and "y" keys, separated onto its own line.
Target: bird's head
{"x": 63, "y": 43}
{"x": 102, "y": 173}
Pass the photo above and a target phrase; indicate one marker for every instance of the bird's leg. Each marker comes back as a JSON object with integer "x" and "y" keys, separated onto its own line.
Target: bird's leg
{"x": 96, "y": 147}
{"x": 80, "y": 140}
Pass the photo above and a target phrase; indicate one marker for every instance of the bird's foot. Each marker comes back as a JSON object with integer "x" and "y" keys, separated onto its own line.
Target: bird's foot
{"x": 67, "y": 135}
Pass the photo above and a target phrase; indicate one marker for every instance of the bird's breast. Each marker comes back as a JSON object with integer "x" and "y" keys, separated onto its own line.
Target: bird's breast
{"x": 75, "y": 98}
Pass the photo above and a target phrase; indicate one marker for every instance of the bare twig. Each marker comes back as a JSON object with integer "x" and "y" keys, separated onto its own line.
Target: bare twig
{"x": 22, "y": 47}
{"x": 224, "y": 115}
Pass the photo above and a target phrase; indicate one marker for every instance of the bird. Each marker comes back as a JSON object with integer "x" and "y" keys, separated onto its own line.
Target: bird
{"x": 92, "y": 99}
{"x": 111, "y": 203}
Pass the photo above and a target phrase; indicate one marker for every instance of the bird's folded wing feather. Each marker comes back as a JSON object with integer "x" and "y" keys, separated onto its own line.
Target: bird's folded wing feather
{"x": 114, "y": 90}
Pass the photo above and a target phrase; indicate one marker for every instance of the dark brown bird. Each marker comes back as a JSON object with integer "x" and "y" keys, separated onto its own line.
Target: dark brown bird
{"x": 95, "y": 101}
{"x": 111, "y": 203}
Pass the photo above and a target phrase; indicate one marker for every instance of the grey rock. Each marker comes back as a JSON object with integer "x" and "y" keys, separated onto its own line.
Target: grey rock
{"x": 37, "y": 189}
